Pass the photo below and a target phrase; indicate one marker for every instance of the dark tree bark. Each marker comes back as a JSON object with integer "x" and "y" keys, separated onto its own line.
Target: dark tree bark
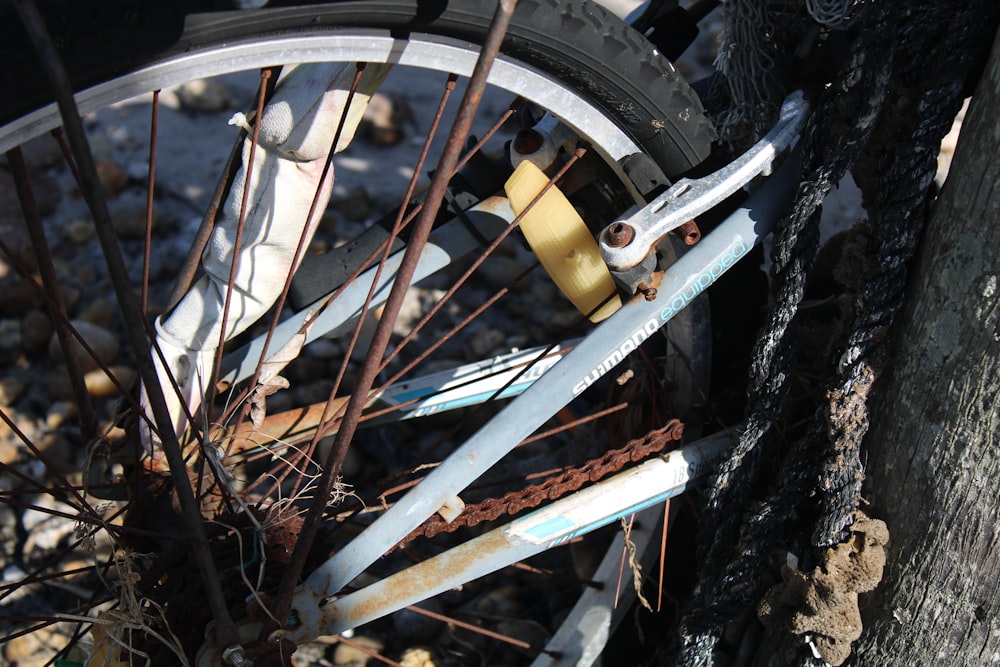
{"x": 933, "y": 470}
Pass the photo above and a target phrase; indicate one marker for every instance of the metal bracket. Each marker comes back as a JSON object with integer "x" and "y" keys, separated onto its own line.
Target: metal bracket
{"x": 629, "y": 280}
{"x": 625, "y": 243}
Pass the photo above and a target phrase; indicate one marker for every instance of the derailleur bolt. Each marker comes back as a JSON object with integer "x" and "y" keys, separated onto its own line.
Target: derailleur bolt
{"x": 648, "y": 293}
{"x": 619, "y": 235}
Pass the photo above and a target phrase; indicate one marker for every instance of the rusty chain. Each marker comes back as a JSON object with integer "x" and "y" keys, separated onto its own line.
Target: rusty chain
{"x": 554, "y": 487}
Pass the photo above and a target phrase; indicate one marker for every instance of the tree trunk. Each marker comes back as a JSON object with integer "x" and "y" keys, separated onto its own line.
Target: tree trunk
{"x": 933, "y": 473}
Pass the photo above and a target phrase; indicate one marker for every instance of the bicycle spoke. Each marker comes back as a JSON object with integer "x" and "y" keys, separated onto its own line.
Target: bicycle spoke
{"x": 154, "y": 123}
{"x": 446, "y": 167}
{"x": 88, "y": 422}
{"x": 133, "y": 318}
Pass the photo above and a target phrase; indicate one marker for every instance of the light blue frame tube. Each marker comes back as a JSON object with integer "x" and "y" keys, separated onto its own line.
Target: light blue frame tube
{"x": 596, "y": 355}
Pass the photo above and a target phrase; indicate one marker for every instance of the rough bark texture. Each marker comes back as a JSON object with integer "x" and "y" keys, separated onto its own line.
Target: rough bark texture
{"x": 933, "y": 472}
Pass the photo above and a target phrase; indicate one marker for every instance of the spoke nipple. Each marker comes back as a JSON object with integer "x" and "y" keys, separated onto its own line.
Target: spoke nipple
{"x": 619, "y": 235}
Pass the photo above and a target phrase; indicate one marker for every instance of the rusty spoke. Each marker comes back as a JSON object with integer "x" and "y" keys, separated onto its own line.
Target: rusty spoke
{"x": 304, "y": 237}
{"x": 154, "y": 123}
{"x": 225, "y": 630}
{"x": 355, "y": 406}
{"x": 33, "y": 220}
{"x": 265, "y": 74}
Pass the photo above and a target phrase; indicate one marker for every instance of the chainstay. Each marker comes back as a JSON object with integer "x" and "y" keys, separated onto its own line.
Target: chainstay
{"x": 554, "y": 487}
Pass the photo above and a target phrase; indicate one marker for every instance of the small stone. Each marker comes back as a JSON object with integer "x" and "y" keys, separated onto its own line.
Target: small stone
{"x": 527, "y": 631}
{"x": 322, "y": 348}
{"x": 564, "y": 319}
{"x": 137, "y": 170}
{"x": 309, "y": 654}
{"x": 499, "y": 272}
{"x": 79, "y": 231}
{"x": 99, "y": 384}
{"x": 100, "y": 146}
{"x": 355, "y": 205}
{"x": 101, "y": 312}
{"x": 485, "y": 342}
{"x": 503, "y": 601}
{"x": 129, "y": 221}
{"x": 384, "y": 119}
{"x": 40, "y": 153}
{"x": 22, "y": 647}
{"x": 318, "y": 246}
{"x": 45, "y": 514}
{"x": 57, "y": 384}
{"x": 310, "y": 392}
{"x": 417, "y": 657}
{"x": 44, "y": 655}
{"x": 11, "y": 389}
{"x": 61, "y": 412}
{"x": 345, "y": 654}
{"x": 203, "y": 96}
{"x": 26, "y": 422}
{"x": 12, "y": 228}
{"x": 42, "y": 182}
{"x": 542, "y": 293}
{"x": 101, "y": 341}
{"x": 112, "y": 177}
{"x": 70, "y": 297}
{"x": 10, "y": 450}
{"x": 10, "y": 341}
{"x": 17, "y": 296}
{"x": 305, "y": 369}
{"x": 360, "y": 351}
{"x": 415, "y": 303}
{"x": 36, "y": 331}
{"x": 412, "y": 626}
{"x": 57, "y": 449}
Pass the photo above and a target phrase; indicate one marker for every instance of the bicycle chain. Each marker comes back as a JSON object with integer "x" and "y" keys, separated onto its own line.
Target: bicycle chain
{"x": 554, "y": 487}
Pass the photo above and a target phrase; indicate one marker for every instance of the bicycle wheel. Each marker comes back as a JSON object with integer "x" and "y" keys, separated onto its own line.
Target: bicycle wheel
{"x": 125, "y": 569}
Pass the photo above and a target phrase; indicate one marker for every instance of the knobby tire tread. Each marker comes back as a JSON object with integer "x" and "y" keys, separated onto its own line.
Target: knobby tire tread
{"x": 576, "y": 41}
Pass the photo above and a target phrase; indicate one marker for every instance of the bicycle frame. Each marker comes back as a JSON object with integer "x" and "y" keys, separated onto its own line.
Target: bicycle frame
{"x": 554, "y": 382}
{"x": 638, "y": 319}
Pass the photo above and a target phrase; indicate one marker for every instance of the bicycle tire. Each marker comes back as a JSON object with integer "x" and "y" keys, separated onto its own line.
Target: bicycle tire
{"x": 577, "y": 41}
{"x": 695, "y": 131}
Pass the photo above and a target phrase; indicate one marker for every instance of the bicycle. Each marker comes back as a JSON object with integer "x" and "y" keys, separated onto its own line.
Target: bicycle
{"x": 597, "y": 149}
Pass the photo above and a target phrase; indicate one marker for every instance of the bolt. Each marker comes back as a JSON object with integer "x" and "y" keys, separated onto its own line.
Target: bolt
{"x": 689, "y": 232}
{"x": 528, "y": 141}
{"x": 647, "y": 292}
{"x": 234, "y": 656}
{"x": 619, "y": 235}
